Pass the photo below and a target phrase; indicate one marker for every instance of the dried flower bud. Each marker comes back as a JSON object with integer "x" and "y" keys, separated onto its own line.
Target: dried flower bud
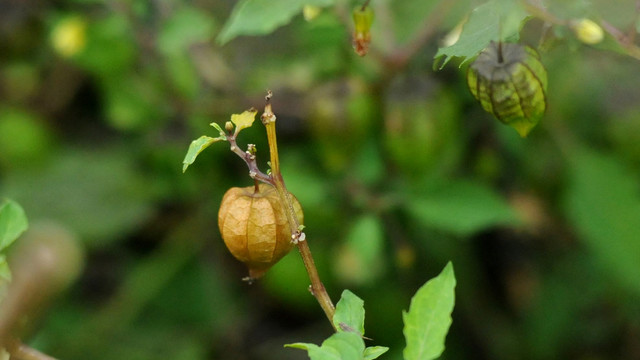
{"x": 254, "y": 226}
{"x": 510, "y": 82}
{"x": 363, "y": 18}
{"x": 587, "y": 31}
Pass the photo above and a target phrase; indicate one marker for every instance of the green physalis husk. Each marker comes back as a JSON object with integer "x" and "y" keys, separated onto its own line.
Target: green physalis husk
{"x": 510, "y": 82}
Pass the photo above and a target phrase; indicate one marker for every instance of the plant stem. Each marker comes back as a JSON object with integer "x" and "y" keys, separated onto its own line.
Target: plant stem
{"x": 317, "y": 288}
{"x": 297, "y": 236}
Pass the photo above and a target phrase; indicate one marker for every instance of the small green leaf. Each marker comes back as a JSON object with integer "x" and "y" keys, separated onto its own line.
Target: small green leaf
{"x": 340, "y": 346}
{"x": 13, "y": 222}
{"x": 349, "y": 313}
{"x": 244, "y": 120}
{"x": 373, "y": 352}
{"x": 261, "y": 17}
{"x": 5, "y": 272}
{"x": 217, "y": 127}
{"x": 196, "y": 148}
{"x": 494, "y": 20}
{"x": 302, "y": 346}
{"x": 429, "y": 317}
{"x": 461, "y": 208}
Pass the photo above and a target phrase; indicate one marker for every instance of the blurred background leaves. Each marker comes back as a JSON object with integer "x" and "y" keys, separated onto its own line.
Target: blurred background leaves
{"x": 397, "y": 167}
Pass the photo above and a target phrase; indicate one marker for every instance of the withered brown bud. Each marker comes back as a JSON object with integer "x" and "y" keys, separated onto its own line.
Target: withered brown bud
{"x": 254, "y": 226}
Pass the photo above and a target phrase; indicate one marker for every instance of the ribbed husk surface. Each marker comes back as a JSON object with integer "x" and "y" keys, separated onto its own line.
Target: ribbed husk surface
{"x": 510, "y": 82}
{"x": 254, "y": 226}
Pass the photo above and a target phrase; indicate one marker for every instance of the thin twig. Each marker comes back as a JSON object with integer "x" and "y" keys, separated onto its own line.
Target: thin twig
{"x": 541, "y": 13}
{"x": 250, "y": 159}
{"x": 623, "y": 39}
{"x": 297, "y": 236}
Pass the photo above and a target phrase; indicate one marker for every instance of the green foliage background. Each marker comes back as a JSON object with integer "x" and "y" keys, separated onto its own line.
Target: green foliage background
{"x": 398, "y": 169}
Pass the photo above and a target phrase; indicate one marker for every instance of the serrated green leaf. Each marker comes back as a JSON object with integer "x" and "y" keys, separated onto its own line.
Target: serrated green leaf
{"x": 13, "y": 222}
{"x": 349, "y": 313}
{"x": 339, "y": 346}
{"x": 461, "y": 208}
{"x": 261, "y": 17}
{"x": 244, "y": 120}
{"x": 373, "y": 352}
{"x": 429, "y": 317}
{"x": 603, "y": 204}
{"x": 492, "y": 21}
{"x": 196, "y": 148}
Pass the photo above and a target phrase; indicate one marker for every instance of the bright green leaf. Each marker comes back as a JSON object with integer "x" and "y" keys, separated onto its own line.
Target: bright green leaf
{"x": 461, "y": 208}
{"x": 196, "y": 148}
{"x": 349, "y": 313}
{"x": 261, "y": 17}
{"x": 302, "y": 346}
{"x": 13, "y": 222}
{"x": 244, "y": 120}
{"x": 373, "y": 352}
{"x": 494, "y": 20}
{"x": 429, "y": 317}
{"x": 603, "y": 204}
{"x": 340, "y": 346}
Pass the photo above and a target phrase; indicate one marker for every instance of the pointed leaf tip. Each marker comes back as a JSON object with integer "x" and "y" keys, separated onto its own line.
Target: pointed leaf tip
{"x": 349, "y": 313}
{"x": 427, "y": 322}
{"x": 373, "y": 352}
{"x": 13, "y": 222}
{"x": 196, "y": 148}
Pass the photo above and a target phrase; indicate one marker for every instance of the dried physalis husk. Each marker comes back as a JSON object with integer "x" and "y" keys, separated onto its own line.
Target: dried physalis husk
{"x": 254, "y": 226}
{"x": 510, "y": 82}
